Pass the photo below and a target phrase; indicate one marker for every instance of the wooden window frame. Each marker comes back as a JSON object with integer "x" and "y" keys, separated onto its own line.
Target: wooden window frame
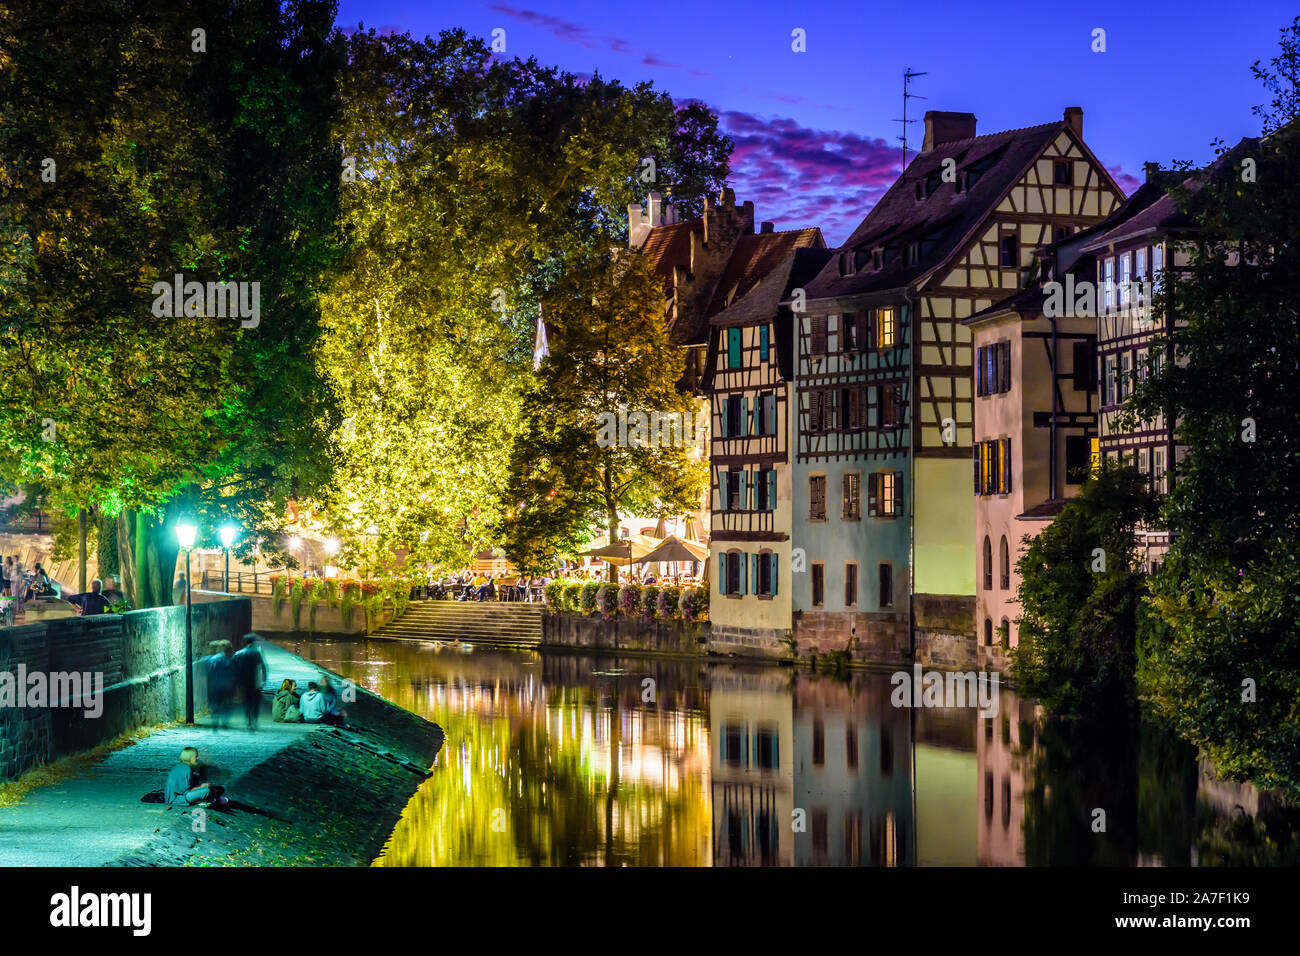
{"x": 851, "y": 577}
{"x": 851, "y": 504}
{"x": 813, "y": 515}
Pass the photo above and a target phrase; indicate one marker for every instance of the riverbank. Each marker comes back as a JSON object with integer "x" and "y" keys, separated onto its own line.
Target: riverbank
{"x": 327, "y": 797}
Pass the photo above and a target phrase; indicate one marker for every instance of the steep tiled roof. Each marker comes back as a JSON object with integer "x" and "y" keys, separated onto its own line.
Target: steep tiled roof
{"x": 754, "y": 257}
{"x": 942, "y": 221}
{"x": 1160, "y": 213}
{"x": 796, "y": 266}
{"x": 669, "y": 246}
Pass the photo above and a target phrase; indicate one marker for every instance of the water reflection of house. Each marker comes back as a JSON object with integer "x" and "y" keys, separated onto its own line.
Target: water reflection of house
{"x": 946, "y": 786}
{"x": 852, "y": 775}
{"x": 1004, "y": 747}
{"x": 752, "y": 785}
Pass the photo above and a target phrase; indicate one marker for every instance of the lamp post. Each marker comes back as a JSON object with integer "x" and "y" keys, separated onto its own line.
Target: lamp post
{"x": 227, "y": 533}
{"x": 185, "y": 532}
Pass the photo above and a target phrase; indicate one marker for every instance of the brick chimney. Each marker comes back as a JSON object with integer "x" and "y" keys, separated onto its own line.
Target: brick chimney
{"x": 941, "y": 127}
{"x": 1074, "y": 117}
{"x": 768, "y": 227}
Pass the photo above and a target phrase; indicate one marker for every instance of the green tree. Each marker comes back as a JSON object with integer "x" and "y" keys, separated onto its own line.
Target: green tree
{"x": 1080, "y": 594}
{"x": 477, "y": 181}
{"x": 574, "y": 465}
{"x": 132, "y": 150}
{"x": 1221, "y": 654}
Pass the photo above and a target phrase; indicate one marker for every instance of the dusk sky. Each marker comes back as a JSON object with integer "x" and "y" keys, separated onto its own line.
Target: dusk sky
{"x": 815, "y": 144}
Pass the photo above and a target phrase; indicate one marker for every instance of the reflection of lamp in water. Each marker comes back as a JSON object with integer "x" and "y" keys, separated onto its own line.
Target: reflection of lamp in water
{"x": 185, "y": 532}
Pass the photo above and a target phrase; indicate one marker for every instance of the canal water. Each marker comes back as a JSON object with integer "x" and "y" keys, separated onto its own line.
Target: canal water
{"x": 574, "y": 759}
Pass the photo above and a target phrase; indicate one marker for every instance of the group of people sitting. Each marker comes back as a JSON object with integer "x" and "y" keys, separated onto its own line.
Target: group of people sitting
{"x": 470, "y": 585}
{"x": 243, "y": 672}
{"x": 318, "y": 704}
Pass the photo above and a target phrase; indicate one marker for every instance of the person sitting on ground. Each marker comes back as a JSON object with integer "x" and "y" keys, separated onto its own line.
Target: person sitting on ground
{"x": 93, "y": 601}
{"x": 185, "y": 785}
{"x": 312, "y": 704}
{"x": 284, "y": 709}
{"x": 334, "y": 714}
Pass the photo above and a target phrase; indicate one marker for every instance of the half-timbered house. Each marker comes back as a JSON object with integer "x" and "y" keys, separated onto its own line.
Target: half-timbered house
{"x": 1131, "y": 251}
{"x": 884, "y": 381}
{"x": 750, "y": 368}
{"x": 707, "y": 264}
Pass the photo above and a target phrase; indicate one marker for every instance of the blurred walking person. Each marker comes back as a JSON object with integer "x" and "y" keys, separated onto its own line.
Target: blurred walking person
{"x": 250, "y": 674}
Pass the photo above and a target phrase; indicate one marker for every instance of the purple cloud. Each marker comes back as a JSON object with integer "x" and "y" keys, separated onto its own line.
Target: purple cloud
{"x": 568, "y": 32}
{"x": 808, "y": 177}
{"x": 1126, "y": 181}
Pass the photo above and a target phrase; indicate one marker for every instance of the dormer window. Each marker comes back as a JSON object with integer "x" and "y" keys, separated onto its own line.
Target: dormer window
{"x": 846, "y": 264}
{"x": 920, "y": 190}
{"x": 877, "y": 258}
{"x": 911, "y": 253}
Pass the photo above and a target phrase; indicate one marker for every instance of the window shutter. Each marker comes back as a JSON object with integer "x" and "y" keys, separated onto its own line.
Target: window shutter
{"x": 722, "y": 572}
{"x": 771, "y": 489}
{"x": 873, "y": 493}
{"x": 979, "y": 371}
{"x": 758, "y": 581}
{"x": 744, "y": 573}
{"x": 819, "y": 335}
{"x": 1004, "y": 366}
{"x": 723, "y": 489}
{"x": 773, "y": 564}
{"x": 726, "y": 413}
{"x": 744, "y": 416}
{"x": 769, "y": 413}
{"x": 762, "y": 342}
{"x": 975, "y": 453}
{"x": 1006, "y": 466}
{"x": 898, "y": 493}
{"x": 733, "y": 348}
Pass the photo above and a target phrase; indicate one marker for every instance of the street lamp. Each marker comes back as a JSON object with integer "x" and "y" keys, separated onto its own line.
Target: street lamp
{"x": 227, "y": 533}
{"x": 185, "y": 532}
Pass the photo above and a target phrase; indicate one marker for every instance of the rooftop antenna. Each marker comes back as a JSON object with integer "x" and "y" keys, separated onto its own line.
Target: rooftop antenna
{"x": 907, "y": 79}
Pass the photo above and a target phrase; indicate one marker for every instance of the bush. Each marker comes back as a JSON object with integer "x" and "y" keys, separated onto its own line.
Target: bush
{"x": 669, "y": 599}
{"x": 695, "y": 605}
{"x": 607, "y": 601}
{"x": 553, "y": 594}
{"x": 587, "y": 597}
{"x": 629, "y": 600}
{"x": 571, "y": 596}
{"x": 649, "y": 602}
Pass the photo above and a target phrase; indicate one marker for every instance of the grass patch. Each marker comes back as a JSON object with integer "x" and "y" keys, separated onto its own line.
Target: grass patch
{"x": 72, "y": 766}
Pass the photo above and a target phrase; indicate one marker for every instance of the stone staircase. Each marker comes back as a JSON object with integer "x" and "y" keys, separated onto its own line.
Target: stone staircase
{"x": 486, "y": 622}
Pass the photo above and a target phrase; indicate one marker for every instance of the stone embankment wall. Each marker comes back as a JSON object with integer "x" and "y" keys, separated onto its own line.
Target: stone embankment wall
{"x": 140, "y": 659}
{"x": 571, "y": 629}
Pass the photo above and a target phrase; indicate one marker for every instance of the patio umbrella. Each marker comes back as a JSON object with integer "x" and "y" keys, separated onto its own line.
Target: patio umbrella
{"x": 674, "y": 548}
{"x": 627, "y": 551}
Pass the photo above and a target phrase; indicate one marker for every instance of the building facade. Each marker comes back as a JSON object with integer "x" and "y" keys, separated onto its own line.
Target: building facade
{"x": 885, "y": 386}
{"x": 748, "y": 380}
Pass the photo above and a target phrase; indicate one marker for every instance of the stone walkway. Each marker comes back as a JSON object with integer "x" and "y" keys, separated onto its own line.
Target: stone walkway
{"x": 92, "y": 820}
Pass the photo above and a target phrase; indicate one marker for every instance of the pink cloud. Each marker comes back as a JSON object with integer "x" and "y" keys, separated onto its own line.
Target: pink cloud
{"x": 569, "y": 32}
{"x": 808, "y": 177}
{"x": 1126, "y": 181}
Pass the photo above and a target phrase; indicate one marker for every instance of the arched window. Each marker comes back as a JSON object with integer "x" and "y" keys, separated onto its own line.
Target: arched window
{"x": 1004, "y": 560}
{"x": 988, "y": 564}
{"x": 988, "y": 632}
{"x": 1006, "y": 630}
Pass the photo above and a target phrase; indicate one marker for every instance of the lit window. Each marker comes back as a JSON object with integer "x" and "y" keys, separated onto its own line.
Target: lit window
{"x": 886, "y": 328}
